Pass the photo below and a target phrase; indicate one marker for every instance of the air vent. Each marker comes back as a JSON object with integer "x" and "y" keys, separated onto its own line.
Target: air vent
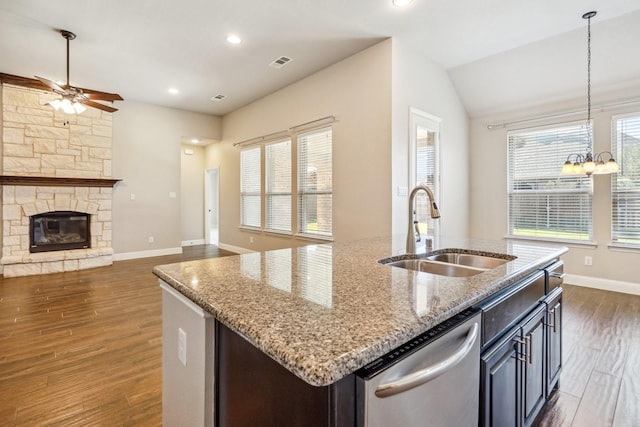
{"x": 218, "y": 97}
{"x": 280, "y": 62}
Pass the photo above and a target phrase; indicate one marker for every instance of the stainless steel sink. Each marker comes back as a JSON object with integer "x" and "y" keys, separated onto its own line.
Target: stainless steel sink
{"x": 452, "y": 263}
{"x": 435, "y": 267}
{"x": 471, "y": 260}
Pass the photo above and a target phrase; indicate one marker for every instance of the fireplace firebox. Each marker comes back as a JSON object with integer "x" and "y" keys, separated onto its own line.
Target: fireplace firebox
{"x": 58, "y": 231}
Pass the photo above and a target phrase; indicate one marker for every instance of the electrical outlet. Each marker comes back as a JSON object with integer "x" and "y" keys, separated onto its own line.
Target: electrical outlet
{"x": 251, "y": 239}
{"x": 588, "y": 260}
{"x": 403, "y": 191}
{"x": 133, "y": 196}
{"x": 182, "y": 346}
{"x": 151, "y": 239}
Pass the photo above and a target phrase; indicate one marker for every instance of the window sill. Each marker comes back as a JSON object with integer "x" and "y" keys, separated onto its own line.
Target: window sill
{"x": 623, "y": 247}
{"x": 287, "y": 234}
{"x": 573, "y": 243}
{"x": 278, "y": 233}
{"x": 251, "y": 229}
{"x": 313, "y": 237}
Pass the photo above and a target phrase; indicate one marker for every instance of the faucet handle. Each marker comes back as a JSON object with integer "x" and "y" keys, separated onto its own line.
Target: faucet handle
{"x": 415, "y": 225}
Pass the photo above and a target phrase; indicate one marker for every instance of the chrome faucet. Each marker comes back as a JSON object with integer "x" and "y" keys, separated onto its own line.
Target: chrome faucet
{"x": 414, "y": 236}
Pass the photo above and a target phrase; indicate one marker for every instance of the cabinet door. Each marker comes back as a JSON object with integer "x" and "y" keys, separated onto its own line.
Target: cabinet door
{"x": 500, "y": 383}
{"x": 534, "y": 379}
{"x": 554, "y": 339}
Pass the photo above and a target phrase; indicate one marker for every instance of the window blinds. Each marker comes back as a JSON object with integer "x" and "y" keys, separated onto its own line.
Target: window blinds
{"x": 625, "y": 185}
{"x": 250, "y": 179}
{"x": 541, "y": 202}
{"x": 278, "y": 186}
{"x": 315, "y": 182}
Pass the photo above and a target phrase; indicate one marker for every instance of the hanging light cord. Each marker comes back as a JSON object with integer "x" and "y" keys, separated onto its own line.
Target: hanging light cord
{"x": 589, "y": 148}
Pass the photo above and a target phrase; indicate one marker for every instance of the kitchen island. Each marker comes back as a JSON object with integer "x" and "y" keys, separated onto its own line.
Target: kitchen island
{"x": 324, "y": 311}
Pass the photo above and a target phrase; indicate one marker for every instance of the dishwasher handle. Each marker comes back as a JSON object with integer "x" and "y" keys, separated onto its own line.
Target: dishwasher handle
{"x": 429, "y": 373}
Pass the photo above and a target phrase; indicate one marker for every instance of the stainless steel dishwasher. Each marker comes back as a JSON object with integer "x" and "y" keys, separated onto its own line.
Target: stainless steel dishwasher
{"x": 433, "y": 380}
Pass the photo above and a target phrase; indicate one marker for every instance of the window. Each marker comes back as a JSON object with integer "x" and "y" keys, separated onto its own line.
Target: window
{"x": 625, "y": 185}
{"x": 542, "y": 203}
{"x": 278, "y": 186}
{"x": 250, "y": 187}
{"x": 267, "y": 183}
{"x": 315, "y": 197}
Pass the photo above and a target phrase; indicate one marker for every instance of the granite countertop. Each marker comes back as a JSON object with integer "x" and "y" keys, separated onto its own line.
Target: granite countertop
{"x": 323, "y": 311}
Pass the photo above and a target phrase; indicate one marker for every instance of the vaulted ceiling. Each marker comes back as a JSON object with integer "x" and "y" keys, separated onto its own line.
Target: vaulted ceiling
{"x": 500, "y": 54}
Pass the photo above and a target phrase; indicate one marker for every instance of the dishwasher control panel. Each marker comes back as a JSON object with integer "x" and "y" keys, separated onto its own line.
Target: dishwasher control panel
{"x": 410, "y": 347}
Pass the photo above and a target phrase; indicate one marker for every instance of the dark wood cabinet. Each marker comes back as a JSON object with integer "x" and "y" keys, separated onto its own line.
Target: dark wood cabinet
{"x": 499, "y": 382}
{"x": 533, "y": 361}
{"x": 521, "y": 366}
{"x": 513, "y": 373}
{"x": 553, "y": 325}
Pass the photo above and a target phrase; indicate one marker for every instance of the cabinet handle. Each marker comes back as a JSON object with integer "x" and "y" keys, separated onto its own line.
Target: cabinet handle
{"x": 557, "y": 275}
{"x": 529, "y": 339}
{"x": 553, "y": 313}
{"x": 431, "y": 372}
{"x": 522, "y": 357}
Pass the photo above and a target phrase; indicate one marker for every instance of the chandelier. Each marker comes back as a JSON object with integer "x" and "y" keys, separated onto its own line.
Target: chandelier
{"x": 588, "y": 162}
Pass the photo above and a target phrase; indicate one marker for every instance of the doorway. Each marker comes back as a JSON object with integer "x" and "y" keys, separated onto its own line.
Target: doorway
{"x": 211, "y": 214}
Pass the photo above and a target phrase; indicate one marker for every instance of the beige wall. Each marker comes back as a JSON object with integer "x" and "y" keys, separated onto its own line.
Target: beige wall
{"x": 357, "y": 91}
{"x": 192, "y": 191}
{"x": 146, "y": 156}
{"x": 421, "y": 84}
{"x": 488, "y": 183}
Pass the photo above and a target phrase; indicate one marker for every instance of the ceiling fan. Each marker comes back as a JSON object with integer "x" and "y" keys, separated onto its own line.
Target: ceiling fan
{"x": 74, "y": 98}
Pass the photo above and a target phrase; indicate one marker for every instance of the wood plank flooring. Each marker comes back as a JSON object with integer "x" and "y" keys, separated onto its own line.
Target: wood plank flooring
{"x": 600, "y": 380}
{"x": 84, "y": 349}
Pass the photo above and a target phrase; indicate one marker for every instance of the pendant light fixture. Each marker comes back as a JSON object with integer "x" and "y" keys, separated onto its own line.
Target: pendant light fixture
{"x": 589, "y": 163}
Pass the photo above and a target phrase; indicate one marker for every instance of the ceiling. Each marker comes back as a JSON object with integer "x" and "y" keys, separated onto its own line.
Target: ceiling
{"x": 499, "y": 53}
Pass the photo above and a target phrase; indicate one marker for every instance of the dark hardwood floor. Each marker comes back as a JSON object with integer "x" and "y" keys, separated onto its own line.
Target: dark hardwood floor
{"x": 84, "y": 349}
{"x": 600, "y": 380}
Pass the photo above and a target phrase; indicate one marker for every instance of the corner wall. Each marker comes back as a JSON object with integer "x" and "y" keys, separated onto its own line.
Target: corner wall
{"x": 146, "y": 156}
{"x": 419, "y": 83}
{"x": 488, "y": 191}
{"x": 357, "y": 91}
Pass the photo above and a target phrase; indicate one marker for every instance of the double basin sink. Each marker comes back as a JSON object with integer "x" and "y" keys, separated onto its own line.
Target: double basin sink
{"x": 450, "y": 262}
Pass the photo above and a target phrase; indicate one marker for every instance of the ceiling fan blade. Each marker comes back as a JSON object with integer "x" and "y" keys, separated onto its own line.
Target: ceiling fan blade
{"x": 102, "y": 96}
{"x": 23, "y": 81}
{"x": 54, "y": 86}
{"x": 100, "y": 106}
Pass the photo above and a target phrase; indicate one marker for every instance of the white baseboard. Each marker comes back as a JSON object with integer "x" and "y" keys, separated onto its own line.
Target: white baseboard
{"x": 604, "y": 284}
{"x": 146, "y": 254}
{"x": 236, "y": 249}
{"x": 193, "y": 242}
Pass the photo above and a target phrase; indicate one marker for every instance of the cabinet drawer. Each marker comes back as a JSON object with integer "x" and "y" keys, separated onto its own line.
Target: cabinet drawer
{"x": 555, "y": 275}
{"x": 510, "y": 306}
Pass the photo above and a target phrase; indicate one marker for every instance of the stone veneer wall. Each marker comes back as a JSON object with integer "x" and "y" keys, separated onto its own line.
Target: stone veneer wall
{"x": 39, "y": 141}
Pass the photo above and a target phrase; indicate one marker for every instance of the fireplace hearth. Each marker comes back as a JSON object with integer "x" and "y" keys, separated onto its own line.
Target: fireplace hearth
{"x": 58, "y": 231}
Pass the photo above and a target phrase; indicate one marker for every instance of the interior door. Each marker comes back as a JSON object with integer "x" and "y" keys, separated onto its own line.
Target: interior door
{"x": 424, "y": 164}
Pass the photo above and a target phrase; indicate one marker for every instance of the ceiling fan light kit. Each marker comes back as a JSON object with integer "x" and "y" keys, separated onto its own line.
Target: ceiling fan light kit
{"x": 74, "y": 100}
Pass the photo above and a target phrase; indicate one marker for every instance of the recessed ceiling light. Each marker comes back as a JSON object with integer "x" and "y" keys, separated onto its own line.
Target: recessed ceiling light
{"x": 233, "y": 39}
{"x": 195, "y": 141}
{"x": 173, "y": 91}
{"x": 401, "y": 3}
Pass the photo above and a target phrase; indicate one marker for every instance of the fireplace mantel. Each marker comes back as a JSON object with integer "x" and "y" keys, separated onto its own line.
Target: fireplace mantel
{"x": 57, "y": 181}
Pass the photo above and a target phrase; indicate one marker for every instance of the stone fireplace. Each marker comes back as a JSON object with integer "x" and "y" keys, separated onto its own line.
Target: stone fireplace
{"x": 53, "y": 162}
